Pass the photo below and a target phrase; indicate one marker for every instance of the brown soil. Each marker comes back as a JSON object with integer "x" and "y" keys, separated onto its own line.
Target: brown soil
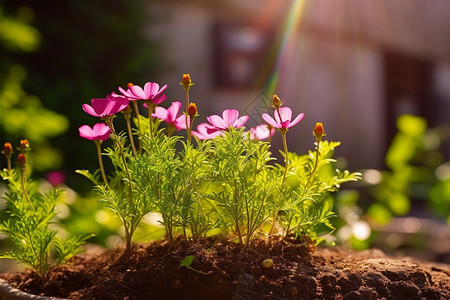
{"x": 152, "y": 271}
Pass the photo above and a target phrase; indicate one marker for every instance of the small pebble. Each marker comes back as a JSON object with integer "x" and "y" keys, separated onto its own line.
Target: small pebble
{"x": 267, "y": 263}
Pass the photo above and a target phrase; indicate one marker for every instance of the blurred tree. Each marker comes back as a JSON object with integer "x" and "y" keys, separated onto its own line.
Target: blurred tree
{"x": 88, "y": 49}
{"x": 23, "y": 115}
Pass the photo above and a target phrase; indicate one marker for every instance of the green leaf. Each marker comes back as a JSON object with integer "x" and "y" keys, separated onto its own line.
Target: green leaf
{"x": 187, "y": 261}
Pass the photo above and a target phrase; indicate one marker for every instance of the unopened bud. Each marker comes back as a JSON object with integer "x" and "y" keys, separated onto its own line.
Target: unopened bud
{"x": 186, "y": 81}
{"x": 318, "y": 131}
{"x": 7, "y": 150}
{"x": 21, "y": 160}
{"x": 24, "y": 146}
{"x": 192, "y": 110}
{"x": 276, "y": 101}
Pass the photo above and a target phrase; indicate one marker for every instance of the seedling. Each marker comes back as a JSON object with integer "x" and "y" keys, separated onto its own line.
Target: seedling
{"x": 187, "y": 261}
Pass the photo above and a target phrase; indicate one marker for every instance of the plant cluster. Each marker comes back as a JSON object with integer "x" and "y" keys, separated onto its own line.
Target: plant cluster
{"x": 30, "y": 217}
{"x": 218, "y": 178}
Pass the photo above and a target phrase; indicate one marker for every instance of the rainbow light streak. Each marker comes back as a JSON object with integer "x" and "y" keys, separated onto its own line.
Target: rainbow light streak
{"x": 287, "y": 45}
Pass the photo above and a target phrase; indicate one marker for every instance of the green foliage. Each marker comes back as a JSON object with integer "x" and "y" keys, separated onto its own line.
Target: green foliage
{"x": 22, "y": 114}
{"x": 29, "y": 225}
{"x": 228, "y": 184}
{"x": 311, "y": 179}
{"x": 417, "y": 171}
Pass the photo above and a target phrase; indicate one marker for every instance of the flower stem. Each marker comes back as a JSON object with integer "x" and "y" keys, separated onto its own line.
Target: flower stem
{"x": 23, "y": 174}
{"x": 136, "y": 112}
{"x": 8, "y": 163}
{"x": 286, "y": 157}
{"x": 150, "y": 110}
{"x": 314, "y": 169}
{"x": 130, "y": 134}
{"x": 125, "y": 165}
{"x": 188, "y": 126}
{"x": 100, "y": 163}
{"x": 286, "y": 166}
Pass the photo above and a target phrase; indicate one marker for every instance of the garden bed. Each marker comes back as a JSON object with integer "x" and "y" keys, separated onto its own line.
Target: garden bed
{"x": 152, "y": 271}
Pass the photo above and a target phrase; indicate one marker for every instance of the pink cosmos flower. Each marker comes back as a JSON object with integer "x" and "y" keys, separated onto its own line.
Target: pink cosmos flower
{"x": 105, "y": 107}
{"x": 261, "y": 132}
{"x": 56, "y": 177}
{"x": 230, "y": 118}
{"x": 170, "y": 115}
{"x": 286, "y": 114}
{"x": 99, "y": 132}
{"x": 203, "y": 134}
{"x": 151, "y": 92}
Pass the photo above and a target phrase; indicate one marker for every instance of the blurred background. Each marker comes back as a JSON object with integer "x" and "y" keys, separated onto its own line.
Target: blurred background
{"x": 376, "y": 73}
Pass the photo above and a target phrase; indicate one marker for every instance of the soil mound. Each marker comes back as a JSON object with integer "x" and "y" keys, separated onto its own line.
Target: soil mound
{"x": 225, "y": 270}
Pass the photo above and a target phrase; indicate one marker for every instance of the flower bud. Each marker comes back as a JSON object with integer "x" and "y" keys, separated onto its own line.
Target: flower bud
{"x": 186, "y": 81}
{"x": 318, "y": 131}
{"x": 24, "y": 146}
{"x": 21, "y": 160}
{"x": 7, "y": 150}
{"x": 276, "y": 101}
{"x": 192, "y": 110}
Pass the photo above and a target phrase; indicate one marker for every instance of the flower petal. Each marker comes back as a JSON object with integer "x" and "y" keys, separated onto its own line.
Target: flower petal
{"x": 217, "y": 122}
{"x": 180, "y": 122}
{"x": 269, "y": 120}
{"x": 126, "y": 93}
{"x": 137, "y": 92}
{"x": 86, "y": 132}
{"x": 230, "y": 116}
{"x": 240, "y": 122}
{"x": 161, "y": 113}
{"x": 151, "y": 89}
{"x": 100, "y": 106}
{"x": 261, "y": 132}
{"x": 114, "y": 105}
{"x": 173, "y": 110}
{"x": 101, "y": 131}
{"x": 285, "y": 112}
{"x": 296, "y": 120}
{"x": 159, "y": 99}
{"x": 88, "y": 109}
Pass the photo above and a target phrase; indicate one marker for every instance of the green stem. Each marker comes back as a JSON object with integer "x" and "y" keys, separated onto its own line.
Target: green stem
{"x": 314, "y": 169}
{"x": 150, "y": 110}
{"x": 127, "y": 117}
{"x": 8, "y": 163}
{"x": 186, "y": 95}
{"x": 23, "y": 175}
{"x": 136, "y": 113}
{"x": 125, "y": 165}
{"x": 286, "y": 166}
{"x": 100, "y": 163}
{"x": 286, "y": 153}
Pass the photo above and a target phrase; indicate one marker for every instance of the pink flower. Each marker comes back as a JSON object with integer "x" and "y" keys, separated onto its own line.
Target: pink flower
{"x": 55, "y": 177}
{"x": 170, "y": 115}
{"x": 230, "y": 118}
{"x": 151, "y": 92}
{"x": 105, "y": 107}
{"x": 286, "y": 114}
{"x": 203, "y": 134}
{"x": 261, "y": 132}
{"x": 99, "y": 132}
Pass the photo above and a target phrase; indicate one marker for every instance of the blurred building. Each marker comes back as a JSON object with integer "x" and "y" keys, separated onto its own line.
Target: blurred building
{"x": 355, "y": 65}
